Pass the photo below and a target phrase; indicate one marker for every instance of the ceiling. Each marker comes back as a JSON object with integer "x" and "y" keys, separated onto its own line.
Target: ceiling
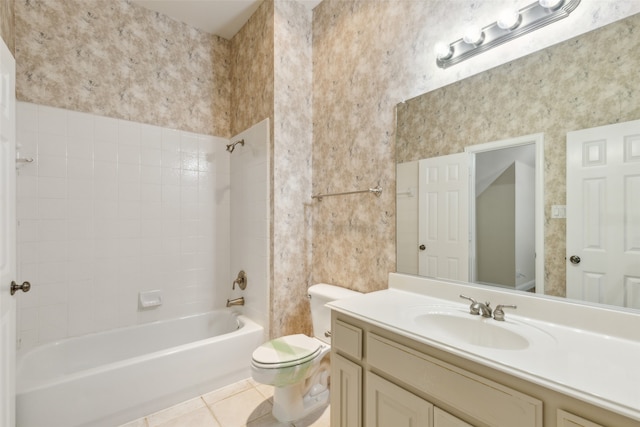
{"x": 223, "y": 18}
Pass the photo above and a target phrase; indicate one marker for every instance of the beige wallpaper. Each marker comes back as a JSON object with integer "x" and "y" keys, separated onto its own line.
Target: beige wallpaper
{"x": 584, "y": 82}
{"x": 292, "y": 209}
{"x": 116, "y": 59}
{"x": 7, "y": 27}
{"x": 252, "y": 71}
{"x": 354, "y": 93}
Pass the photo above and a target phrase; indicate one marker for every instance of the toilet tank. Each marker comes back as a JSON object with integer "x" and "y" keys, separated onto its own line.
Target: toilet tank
{"x": 319, "y": 295}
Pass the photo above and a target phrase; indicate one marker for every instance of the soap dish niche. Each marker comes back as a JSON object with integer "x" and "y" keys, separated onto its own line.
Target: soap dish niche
{"x": 149, "y": 299}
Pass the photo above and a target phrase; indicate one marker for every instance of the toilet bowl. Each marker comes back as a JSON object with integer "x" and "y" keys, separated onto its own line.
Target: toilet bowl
{"x": 298, "y": 365}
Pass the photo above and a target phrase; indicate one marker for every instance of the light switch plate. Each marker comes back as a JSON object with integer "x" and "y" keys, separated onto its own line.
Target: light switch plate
{"x": 558, "y": 211}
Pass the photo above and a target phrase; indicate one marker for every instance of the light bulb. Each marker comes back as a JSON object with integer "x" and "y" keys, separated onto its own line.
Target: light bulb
{"x": 443, "y": 50}
{"x": 473, "y": 36}
{"x": 509, "y": 19}
{"x": 551, "y": 4}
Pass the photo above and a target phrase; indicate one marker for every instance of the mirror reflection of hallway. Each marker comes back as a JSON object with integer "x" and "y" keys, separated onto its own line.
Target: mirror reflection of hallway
{"x": 504, "y": 217}
{"x": 507, "y": 213}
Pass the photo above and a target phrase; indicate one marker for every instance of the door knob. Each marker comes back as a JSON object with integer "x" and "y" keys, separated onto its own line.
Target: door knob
{"x": 422, "y": 247}
{"x": 25, "y": 287}
{"x": 575, "y": 259}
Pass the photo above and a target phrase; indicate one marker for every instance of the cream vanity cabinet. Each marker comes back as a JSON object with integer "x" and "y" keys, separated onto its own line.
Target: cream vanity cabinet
{"x": 383, "y": 379}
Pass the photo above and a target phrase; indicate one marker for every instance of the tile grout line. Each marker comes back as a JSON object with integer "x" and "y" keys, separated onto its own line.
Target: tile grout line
{"x": 210, "y": 409}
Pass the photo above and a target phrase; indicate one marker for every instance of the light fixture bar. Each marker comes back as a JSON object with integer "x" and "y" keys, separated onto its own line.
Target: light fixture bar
{"x": 532, "y": 17}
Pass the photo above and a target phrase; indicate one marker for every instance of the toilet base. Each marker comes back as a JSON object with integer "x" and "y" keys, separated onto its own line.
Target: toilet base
{"x": 289, "y": 404}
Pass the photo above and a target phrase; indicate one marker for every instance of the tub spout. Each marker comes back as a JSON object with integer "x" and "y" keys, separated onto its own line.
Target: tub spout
{"x": 235, "y": 301}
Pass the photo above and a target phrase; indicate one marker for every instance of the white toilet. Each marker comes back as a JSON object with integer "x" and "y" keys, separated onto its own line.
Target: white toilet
{"x": 298, "y": 365}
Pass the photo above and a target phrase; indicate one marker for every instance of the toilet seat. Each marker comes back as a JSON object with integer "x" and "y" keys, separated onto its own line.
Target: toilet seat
{"x": 286, "y": 351}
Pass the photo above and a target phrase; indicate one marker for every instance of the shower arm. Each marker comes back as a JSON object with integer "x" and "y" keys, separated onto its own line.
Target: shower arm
{"x": 232, "y": 146}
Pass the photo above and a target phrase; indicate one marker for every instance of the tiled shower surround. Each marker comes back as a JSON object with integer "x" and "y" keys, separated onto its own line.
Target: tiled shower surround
{"x": 109, "y": 208}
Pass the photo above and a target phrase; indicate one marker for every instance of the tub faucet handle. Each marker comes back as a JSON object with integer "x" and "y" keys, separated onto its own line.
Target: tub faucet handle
{"x": 241, "y": 280}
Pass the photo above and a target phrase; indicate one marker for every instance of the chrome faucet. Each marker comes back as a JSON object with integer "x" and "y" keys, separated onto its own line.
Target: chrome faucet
{"x": 478, "y": 308}
{"x": 235, "y": 301}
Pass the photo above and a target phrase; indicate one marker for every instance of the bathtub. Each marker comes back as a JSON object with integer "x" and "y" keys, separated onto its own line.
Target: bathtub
{"x": 109, "y": 378}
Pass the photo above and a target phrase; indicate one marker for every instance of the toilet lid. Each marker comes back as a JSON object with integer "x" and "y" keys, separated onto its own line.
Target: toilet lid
{"x": 285, "y": 351}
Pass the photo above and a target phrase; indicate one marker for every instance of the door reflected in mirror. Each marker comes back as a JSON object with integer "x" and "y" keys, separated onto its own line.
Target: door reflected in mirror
{"x": 472, "y": 216}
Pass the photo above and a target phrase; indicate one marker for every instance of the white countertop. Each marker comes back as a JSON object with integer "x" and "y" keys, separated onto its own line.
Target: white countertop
{"x": 598, "y": 363}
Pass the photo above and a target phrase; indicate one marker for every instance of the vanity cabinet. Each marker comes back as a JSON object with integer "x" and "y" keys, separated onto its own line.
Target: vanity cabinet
{"x": 383, "y": 379}
{"x": 346, "y": 392}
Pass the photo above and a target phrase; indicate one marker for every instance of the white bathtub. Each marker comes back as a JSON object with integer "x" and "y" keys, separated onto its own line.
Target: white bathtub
{"x": 109, "y": 378}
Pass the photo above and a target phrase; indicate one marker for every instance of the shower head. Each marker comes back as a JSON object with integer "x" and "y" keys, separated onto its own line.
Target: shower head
{"x": 231, "y": 147}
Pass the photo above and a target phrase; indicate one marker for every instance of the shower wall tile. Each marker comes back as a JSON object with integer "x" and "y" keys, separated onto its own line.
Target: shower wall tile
{"x": 98, "y": 225}
{"x": 248, "y": 198}
{"x": 117, "y": 59}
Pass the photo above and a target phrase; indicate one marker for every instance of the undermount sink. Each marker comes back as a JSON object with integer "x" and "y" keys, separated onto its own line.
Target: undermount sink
{"x": 475, "y": 330}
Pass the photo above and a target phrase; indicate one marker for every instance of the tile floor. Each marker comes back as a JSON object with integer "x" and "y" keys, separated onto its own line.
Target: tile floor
{"x": 243, "y": 404}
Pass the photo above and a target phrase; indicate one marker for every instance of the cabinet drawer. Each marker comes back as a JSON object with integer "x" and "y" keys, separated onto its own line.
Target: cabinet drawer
{"x": 482, "y": 399}
{"x": 567, "y": 419}
{"x": 347, "y": 339}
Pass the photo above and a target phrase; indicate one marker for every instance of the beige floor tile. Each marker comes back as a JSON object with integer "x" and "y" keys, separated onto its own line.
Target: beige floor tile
{"x": 225, "y": 392}
{"x": 241, "y": 408}
{"x": 268, "y": 421}
{"x": 201, "y": 417}
{"x": 319, "y": 418}
{"x": 265, "y": 390}
{"x": 176, "y": 411}
{"x": 142, "y": 422}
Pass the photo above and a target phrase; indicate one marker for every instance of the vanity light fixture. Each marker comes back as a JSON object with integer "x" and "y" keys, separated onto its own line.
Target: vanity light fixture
{"x": 551, "y": 4}
{"x": 510, "y": 25}
{"x": 443, "y": 51}
{"x": 474, "y": 36}
{"x": 509, "y": 19}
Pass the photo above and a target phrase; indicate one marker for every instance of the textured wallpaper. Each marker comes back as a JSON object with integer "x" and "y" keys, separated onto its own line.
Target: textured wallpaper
{"x": 113, "y": 58}
{"x": 252, "y": 71}
{"x": 367, "y": 57}
{"x": 292, "y": 206}
{"x": 584, "y": 82}
{"x": 7, "y": 26}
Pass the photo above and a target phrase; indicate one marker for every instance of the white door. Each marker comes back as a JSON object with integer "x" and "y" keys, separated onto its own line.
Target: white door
{"x": 603, "y": 214}
{"x": 7, "y": 237}
{"x": 443, "y": 221}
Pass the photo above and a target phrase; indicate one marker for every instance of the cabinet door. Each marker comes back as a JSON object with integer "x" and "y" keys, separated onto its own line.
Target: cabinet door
{"x": 566, "y": 419}
{"x": 346, "y": 392}
{"x": 388, "y": 405}
{"x": 445, "y": 419}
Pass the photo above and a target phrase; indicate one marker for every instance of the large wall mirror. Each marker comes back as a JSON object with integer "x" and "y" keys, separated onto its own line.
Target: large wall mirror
{"x": 587, "y": 82}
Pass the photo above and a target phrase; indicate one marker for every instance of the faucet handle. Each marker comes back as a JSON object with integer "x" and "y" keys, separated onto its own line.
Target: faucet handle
{"x": 498, "y": 313}
{"x": 468, "y": 298}
{"x": 473, "y": 309}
